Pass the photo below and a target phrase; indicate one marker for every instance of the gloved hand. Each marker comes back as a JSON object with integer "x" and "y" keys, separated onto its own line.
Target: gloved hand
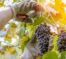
{"x": 25, "y": 7}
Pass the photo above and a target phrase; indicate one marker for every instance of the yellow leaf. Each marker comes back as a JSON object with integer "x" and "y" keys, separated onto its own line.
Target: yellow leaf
{"x": 10, "y": 49}
{"x": 8, "y": 37}
{"x": 62, "y": 21}
{"x": 1, "y": 4}
{"x": 24, "y": 39}
{"x": 57, "y": 2}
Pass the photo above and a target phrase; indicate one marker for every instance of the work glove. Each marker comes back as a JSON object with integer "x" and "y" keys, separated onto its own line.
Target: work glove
{"x": 26, "y": 9}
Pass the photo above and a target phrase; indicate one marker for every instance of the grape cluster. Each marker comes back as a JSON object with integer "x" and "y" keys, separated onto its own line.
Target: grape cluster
{"x": 61, "y": 43}
{"x": 43, "y": 35}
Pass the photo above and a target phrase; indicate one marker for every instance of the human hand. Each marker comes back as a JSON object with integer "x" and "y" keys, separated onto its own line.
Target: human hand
{"x": 28, "y": 10}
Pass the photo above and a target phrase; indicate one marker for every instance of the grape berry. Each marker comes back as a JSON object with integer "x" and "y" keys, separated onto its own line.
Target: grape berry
{"x": 61, "y": 43}
{"x": 43, "y": 35}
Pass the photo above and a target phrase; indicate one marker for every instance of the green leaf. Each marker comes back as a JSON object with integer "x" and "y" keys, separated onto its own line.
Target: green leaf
{"x": 38, "y": 20}
{"x": 23, "y": 42}
{"x": 63, "y": 55}
{"x": 21, "y": 32}
{"x": 50, "y": 55}
{"x": 14, "y": 0}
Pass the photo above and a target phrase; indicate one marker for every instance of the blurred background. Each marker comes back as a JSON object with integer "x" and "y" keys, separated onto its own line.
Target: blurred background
{"x": 15, "y": 35}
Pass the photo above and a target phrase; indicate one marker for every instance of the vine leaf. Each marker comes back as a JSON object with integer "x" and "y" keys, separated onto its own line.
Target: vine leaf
{"x": 50, "y": 55}
{"x": 38, "y": 20}
{"x": 63, "y": 55}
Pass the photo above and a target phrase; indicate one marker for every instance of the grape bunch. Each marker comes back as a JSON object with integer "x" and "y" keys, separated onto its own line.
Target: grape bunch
{"x": 61, "y": 43}
{"x": 43, "y": 35}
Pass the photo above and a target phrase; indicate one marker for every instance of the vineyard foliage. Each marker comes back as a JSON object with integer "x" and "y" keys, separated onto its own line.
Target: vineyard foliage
{"x": 15, "y": 35}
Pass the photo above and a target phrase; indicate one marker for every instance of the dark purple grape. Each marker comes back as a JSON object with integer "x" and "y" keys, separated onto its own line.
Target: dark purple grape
{"x": 43, "y": 35}
{"x": 61, "y": 43}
